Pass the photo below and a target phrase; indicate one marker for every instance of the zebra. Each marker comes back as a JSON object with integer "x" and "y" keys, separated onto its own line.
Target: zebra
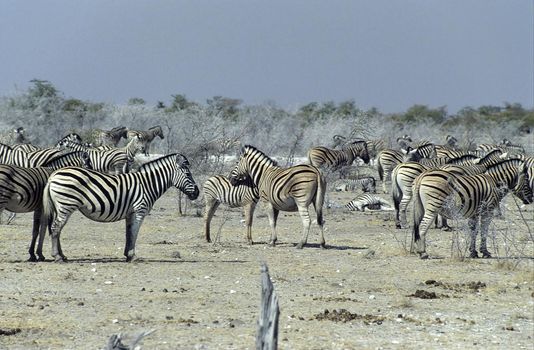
{"x": 14, "y": 136}
{"x": 25, "y": 147}
{"x": 218, "y": 189}
{"x": 368, "y": 201}
{"x": 508, "y": 146}
{"x": 109, "y": 198}
{"x": 109, "y": 137}
{"x": 10, "y": 156}
{"x": 473, "y": 196}
{"x": 147, "y": 136}
{"x": 404, "y": 174}
{"x": 285, "y": 189}
{"x": 364, "y": 183}
{"x": 72, "y": 137}
{"x": 22, "y": 189}
{"x": 117, "y": 160}
{"x": 331, "y": 159}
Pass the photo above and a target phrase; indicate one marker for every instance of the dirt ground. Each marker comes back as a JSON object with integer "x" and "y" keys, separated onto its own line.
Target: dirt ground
{"x": 363, "y": 292}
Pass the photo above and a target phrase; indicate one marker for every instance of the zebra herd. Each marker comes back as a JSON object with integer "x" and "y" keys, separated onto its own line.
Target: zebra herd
{"x": 98, "y": 180}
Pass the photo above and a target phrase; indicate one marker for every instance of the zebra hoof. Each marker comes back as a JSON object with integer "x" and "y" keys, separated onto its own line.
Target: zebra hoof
{"x": 32, "y": 258}
{"x": 473, "y": 255}
{"x": 423, "y": 256}
{"x": 323, "y": 245}
{"x": 272, "y": 243}
{"x": 398, "y": 226}
{"x": 486, "y": 254}
{"x": 300, "y": 246}
{"x": 132, "y": 258}
{"x": 41, "y": 257}
{"x": 60, "y": 260}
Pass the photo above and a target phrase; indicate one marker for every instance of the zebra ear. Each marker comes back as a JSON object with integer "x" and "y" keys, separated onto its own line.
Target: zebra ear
{"x": 181, "y": 160}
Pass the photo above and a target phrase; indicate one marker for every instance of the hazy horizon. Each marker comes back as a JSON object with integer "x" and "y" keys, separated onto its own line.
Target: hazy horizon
{"x": 383, "y": 54}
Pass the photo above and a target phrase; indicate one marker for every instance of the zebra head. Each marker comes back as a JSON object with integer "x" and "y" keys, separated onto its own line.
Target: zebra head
{"x": 251, "y": 163}
{"x": 523, "y": 189}
{"x": 87, "y": 161}
{"x": 183, "y": 180}
{"x": 359, "y": 149}
{"x": 157, "y": 131}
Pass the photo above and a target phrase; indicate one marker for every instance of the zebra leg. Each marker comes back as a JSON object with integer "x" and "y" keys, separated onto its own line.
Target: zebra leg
{"x": 11, "y": 218}
{"x": 55, "y": 232}
{"x": 473, "y": 223}
{"x": 403, "y": 207}
{"x": 305, "y": 216}
{"x": 35, "y": 234}
{"x": 249, "y": 216}
{"x": 272, "y": 213}
{"x": 211, "y": 207}
{"x": 133, "y": 223}
{"x": 420, "y": 231}
{"x": 484, "y": 225}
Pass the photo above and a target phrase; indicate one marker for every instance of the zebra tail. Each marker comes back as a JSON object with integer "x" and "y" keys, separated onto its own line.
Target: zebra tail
{"x": 47, "y": 216}
{"x": 418, "y": 210}
{"x": 380, "y": 169}
{"x": 396, "y": 191}
{"x": 319, "y": 198}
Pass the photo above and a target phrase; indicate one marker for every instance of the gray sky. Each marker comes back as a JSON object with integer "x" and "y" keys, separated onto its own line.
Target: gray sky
{"x": 387, "y": 54}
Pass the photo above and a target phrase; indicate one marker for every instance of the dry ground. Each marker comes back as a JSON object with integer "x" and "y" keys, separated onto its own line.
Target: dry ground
{"x": 197, "y": 295}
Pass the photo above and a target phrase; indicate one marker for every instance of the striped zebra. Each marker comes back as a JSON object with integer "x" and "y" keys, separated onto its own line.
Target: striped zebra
{"x": 218, "y": 189}
{"x": 368, "y": 201}
{"x": 364, "y": 183}
{"x": 285, "y": 189}
{"x": 473, "y": 196}
{"x": 117, "y": 160}
{"x": 10, "y": 156}
{"x": 109, "y": 137}
{"x": 21, "y": 189}
{"x": 332, "y": 159}
{"x": 109, "y": 198}
{"x": 147, "y": 136}
{"x": 25, "y": 147}
{"x": 389, "y": 158}
{"x": 72, "y": 137}
{"x": 404, "y": 174}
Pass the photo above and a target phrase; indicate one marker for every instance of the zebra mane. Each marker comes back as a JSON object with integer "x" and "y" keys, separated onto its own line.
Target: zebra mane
{"x": 3, "y": 145}
{"x": 504, "y": 163}
{"x": 64, "y": 155}
{"x": 249, "y": 149}
{"x": 155, "y": 127}
{"x": 163, "y": 159}
{"x": 461, "y": 158}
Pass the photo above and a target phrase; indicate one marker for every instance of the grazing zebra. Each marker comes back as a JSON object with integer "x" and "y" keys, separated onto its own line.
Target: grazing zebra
{"x": 364, "y": 183}
{"x": 111, "y": 137}
{"x": 218, "y": 189}
{"x": 21, "y": 189}
{"x": 117, "y": 160}
{"x": 219, "y": 147}
{"x": 332, "y": 159}
{"x": 147, "y": 136}
{"x": 285, "y": 189}
{"x": 108, "y": 198}
{"x": 473, "y": 196}
{"x": 368, "y": 201}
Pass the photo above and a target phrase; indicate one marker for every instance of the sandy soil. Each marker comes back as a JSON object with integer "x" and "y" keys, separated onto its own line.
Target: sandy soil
{"x": 363, "y": 292}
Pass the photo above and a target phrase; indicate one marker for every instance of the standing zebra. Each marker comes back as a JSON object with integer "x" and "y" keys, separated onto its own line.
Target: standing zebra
{"x": 218, "y": 189}
{"x": 117, "y": 160}
{"x": 404, "y": 174}
{"x": 332, "y": 159}
{"x": 109, "y": 138}
{"x": 286, "y": 189}
{"x": 21, "y": 189}
{"x": 147, "y": 136}
{"x": 108, "y": 198}
{"x": 473, "y": 196}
